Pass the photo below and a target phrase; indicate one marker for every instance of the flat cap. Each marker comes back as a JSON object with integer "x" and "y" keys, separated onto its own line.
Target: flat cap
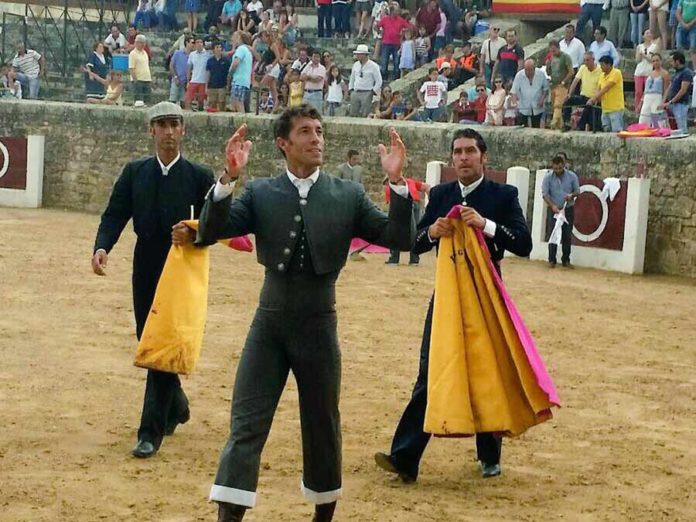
{"x": 165, "y": 110}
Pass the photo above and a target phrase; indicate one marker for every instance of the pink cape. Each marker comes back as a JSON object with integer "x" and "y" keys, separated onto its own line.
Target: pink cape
{"x": 360, "y": 245}
{"x": 241, "y": 243}
{"x": 542, "y": 377}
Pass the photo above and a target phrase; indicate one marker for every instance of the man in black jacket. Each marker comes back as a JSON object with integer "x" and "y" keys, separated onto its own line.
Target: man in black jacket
{"x": 303, "y": 220}
{"x": 493, "y": 208}
{"x": 157, "y": 192}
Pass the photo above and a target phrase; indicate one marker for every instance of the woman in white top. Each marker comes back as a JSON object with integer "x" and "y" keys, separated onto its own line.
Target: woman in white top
{"x": 495, "y": 104}
{"x": 644, "y": 53}
{"x": 336, "y": 91}
{"x": 656, "y": 87}
{"x": 657, "y": 17}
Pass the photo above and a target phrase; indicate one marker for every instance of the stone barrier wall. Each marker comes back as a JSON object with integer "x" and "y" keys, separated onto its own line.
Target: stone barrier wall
{"x": 86, "y": 147}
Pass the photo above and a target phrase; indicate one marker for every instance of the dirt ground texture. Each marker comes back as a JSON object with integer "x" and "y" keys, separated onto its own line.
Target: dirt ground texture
{"x": 621, "y": 349}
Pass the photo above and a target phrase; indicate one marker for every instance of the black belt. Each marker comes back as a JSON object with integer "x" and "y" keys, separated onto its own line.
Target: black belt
{"x": 313, "y": 90}
{"x": 363, "y": 90}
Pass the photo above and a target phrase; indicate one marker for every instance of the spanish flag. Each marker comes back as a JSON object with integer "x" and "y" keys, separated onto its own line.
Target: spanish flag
{"x": 173, "y": 334}
{"x": 536, "y": 6}
{"x": 485, "y": 374}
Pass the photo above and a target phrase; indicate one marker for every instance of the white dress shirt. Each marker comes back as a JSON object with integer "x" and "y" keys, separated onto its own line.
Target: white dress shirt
{"x": 575, "y": 49}
{"x": 365, "y": 77}
{"x": 167, "y": 168}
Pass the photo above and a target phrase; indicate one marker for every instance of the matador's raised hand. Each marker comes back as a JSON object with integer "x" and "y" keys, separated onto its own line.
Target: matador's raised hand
{"x": 236, "y": 154}
{"x": 393, "y": 162}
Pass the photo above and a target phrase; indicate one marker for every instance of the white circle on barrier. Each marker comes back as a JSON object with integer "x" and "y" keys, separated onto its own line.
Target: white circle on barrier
{"x": 5, "y": 159}
{"x": 588, "y": 238}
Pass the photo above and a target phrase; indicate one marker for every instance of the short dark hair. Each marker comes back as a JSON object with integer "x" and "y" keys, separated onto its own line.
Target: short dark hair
{"x": 570, "y": 26}
{"x": 352, "y": 152}
{"x": 283, "y": 125}
{"x": 431, "y": 70}
{"x": 470, "y": 134}
{"x": 602, "y": 30}
{"x": 554, "y": 43}
{"x": 558, "y": 159}
{"x": 679, "y": 57}
{"x": 606, "y": 59}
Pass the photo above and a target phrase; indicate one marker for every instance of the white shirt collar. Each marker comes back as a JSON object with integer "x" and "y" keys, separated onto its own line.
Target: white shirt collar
{"x": 303, "y": 184}
{"x": 167, "y": 168}
{"x": 468, "y": 189}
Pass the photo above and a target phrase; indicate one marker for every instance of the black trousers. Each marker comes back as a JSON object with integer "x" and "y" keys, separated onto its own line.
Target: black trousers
{"x": 410, "y": 440}
{"x": 279, "y": 342}
{"x": 165, "y": 401}
{"x": 566, "y": 235}
{"x": 413, "y": 258}
{"x": 591, "y": 114}
{"x": 525, "y": 120}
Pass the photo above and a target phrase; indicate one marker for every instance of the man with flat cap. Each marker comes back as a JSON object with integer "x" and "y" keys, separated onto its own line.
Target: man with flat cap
{"x": 156, "y": 192}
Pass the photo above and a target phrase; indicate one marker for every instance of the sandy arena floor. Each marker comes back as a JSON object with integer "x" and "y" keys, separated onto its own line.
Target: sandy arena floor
{"x": 621, "y": 349}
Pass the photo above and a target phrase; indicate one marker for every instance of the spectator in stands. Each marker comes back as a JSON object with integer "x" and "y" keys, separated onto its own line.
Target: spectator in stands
{"x": 29, "y": 66}
{"x": 314, "y": 76}
{"x": 489, "y": 53}
{"x": 230, "y": 9}
{"x": 145, "y": 16}
{"x": 530, "y": 88}
{"x": 510, "y": 106}
{"x": 324, "y": 18}
{"x": 180, "y": 42}
{"x": 216, "y": 78}
{"x": 365, "y": 82}
{"x": 611, "y": 95}
{"x": 337, "y": 89}
{"x": 603, "y": 47}
{"x": 302, "y": 60}
{"x": 407, "y": 53}
{"x": 469, "y": 65}
{"x": 572, "y": 46}
{"x": 351, "y": 169}
{"x": 678, "y": 98}
{"x": 340, "y": 10}
{"x": 327, "y": 60}
{"x": 479, "y": 81}
{"x": 287, "y": 30}
{"x": 240, "y": 72}
{"x": 296, "y": 86}
{"x": 656, "y": 90}
{"x": 410, "y": 111}
{"x": 644, "y": 53}
{"x": 618, "y": 21}
{"x": 462, "y": 20}
{"x": 560, "y": 69}
{"x": 423, "y": 47}
{"x": 192, "y": 7}
{"x": 495, "y": 104}
{"x": 510, "y": 58}
{"x": 428, "y": 17}
{"x": 283, "y": 97}
{"x": 591, "y": 9}
{"x": 166, "y": 14}
{"x": 588, "y": 76}
{"x": 178, "y": 71}
{"x": 278, "y": 8}
{"x": 212, "y": 16}
{"x": 139, "y": 68}
{"x": 362, "y": 17}
{"x": 657, "y": 15}
{"x": 384, "y": 104}
{"x": 686, "y": 28}
{"x": 462, "y": 111}
{"x": 560, "y": 188}
{"x": 10, "y": 87}
{"x": 97, "y": 64}
{"x": 432, "y": 95}
{"x": 115, "y": 42}
{"x": 131, "y": 35}
{"x": 447, "y": 66}
{"x": 638, "y": 14}
{"x": 114, "y": 87}
{"x": 406, "y": 15}
{"x": 266, "y": 24}
{"x": 444, "y": 75}
{"x": 255, "y": 6}
{"x": 244, "y": 22}
{"x": 380, "y": 9}
{"x": 197, "y": 63}
{"x": 391, "y": 25}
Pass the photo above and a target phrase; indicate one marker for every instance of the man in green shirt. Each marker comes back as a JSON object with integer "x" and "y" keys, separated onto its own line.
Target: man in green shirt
{"x": 686, "y": 18}
{"x": 560, "y": 68}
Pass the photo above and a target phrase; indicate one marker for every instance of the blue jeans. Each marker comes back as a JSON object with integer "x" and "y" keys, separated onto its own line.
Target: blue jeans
{"x": 387, "y": 51}
{"x": 30, "y": 86}
{"x": 613, "y": 121}
{"x": 685, "y": 37}
{"x": 680, "y": 112}
{"x": 637, "y": 24}
{"x": 589, "y": 12}
{"x": 341, "y": 12}
{"x": 324, "y": 21}
{"x": 177, "y": 92}
{"x": 315, "y": 99}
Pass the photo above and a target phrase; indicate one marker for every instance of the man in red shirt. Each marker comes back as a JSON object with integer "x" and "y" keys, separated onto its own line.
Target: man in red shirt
{"x": 417, "y": 189}
{"x": 391, "y": 27}
{"x": 429, "y": 17}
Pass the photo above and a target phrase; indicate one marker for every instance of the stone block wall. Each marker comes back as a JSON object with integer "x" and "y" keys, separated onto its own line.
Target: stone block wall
{"x": 87, "y": 146}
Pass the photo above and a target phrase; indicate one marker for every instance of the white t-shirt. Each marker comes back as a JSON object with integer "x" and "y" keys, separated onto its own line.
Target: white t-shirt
{"x": 255, "y": 6}
{"x": 433, "y": 94}
{"x": 335, "y": 92}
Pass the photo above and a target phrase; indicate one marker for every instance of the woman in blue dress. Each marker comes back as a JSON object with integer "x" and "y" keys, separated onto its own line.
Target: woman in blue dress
{"x": 97, "y": 64}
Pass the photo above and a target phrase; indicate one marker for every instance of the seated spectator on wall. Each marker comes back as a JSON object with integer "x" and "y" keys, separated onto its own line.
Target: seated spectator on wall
{"x": 97, "y": 64}
{"x": 411, "y": 112}
{"x": 479, "y": 81}
{"x": 29, "y": 66}
{"x": 469, "y": 65}
{"x": 479, "y": 103}
{"x": 610, "y": 95}
{"x": 244, "y": 22}
{"x": 116, "y": 42}
{"x": 114, "y": 87}
{"x": 587, "y": 77}
{"x": 383, "y": 104}
{"x": 530, "y": 88}
{"x": 462, "y": 111}
{"x": 10, "y": 87}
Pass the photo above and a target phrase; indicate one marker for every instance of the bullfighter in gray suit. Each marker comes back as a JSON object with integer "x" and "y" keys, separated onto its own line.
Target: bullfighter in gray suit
{"x": 303, "y": 220}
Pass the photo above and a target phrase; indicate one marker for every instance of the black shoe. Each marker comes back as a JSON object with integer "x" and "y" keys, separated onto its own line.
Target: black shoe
{"x": 324, "y": 512}
{"x": 386, "y": 462}
{"x": 552, "y": 264}
{"x": 490, "y": 470}
{"x": 144, "y": 449}
{"x": 391, "y": 262}
{"x": 171, "y": 425}
{"x": 566, "y": 264}
{"x": 230, "y": 512}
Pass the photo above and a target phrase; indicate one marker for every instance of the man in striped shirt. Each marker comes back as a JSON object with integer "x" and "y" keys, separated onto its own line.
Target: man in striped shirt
{"x": 29, "y": 66}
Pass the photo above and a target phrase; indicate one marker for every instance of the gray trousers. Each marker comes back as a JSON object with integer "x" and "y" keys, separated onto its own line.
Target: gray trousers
{"x": 619, "y": 21}
{"x": 277, "y": 343}
{"x": 360, "y": 103}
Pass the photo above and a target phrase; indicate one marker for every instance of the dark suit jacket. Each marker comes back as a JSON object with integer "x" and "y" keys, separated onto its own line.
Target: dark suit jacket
{"x": 493, "y": 201}
{"x": 334, "y": 212}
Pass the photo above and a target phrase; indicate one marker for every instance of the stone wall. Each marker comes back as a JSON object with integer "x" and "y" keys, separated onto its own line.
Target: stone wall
{"x": 86, "y": 147}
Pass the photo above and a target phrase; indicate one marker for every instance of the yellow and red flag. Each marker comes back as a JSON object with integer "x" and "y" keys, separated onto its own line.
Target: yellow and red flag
{"x": 536, "y": 6}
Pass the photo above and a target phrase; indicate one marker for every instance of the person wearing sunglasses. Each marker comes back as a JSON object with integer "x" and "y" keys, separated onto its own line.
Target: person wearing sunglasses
{"x": 489, "y": 53}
